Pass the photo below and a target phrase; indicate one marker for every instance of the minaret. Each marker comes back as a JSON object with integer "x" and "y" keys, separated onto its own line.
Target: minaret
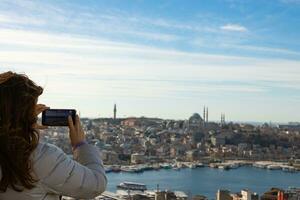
{"x": 222, "y": 118}
{"x": 206, "y": 115}
{"x": 115, "y": 111}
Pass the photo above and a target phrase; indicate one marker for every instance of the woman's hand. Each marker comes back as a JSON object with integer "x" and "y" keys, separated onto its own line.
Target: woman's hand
{"x": 39, "y": 108}
{"x": 76, "y": 132}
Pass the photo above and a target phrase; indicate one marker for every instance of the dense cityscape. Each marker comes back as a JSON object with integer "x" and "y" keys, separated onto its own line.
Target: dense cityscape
{"x": 133, "y": 145}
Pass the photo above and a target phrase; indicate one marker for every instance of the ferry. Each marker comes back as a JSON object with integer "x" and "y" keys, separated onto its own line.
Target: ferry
{"x": 132, "y": 186}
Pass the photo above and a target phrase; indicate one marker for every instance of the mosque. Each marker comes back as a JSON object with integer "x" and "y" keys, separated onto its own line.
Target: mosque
{"x": 196, "y": 121}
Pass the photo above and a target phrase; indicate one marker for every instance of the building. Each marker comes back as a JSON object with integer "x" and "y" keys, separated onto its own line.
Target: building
{"x": 243, "y": 195}
{"x": 199, "y": 197}
{"x": 131, "y": 122}
{"x": 192, "y": 155}
{"x": 274, "y": 194}
{"x": 195, "y": 121}
{"x": 137, "y": 158}
{"x": 165, "y": 195}
{"x": 246, "y": 194}
{"x": 224, "y": 195}
{"x": 109, "y": 157}
{"x": 236, "y": 196}
{"x": 218, "y": 140}
{"x": 293, "y": 193}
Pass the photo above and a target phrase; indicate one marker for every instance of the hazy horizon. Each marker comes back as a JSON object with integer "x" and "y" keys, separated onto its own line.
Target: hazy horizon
{"x": 164, "y": 59}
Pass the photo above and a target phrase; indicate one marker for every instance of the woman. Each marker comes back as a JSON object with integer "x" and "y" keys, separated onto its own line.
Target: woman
{"x": 30, "y": 169}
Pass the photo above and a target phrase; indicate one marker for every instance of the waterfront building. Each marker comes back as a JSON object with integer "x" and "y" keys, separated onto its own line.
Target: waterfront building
{"x": 165, "y": 195}
{"x": 296, "y": 163}
{"x": 274, "y": 194}
{"x": 293, "y": 193}
{"x": 137, "y": 158}
{"x": 236, "y": 196}
{"x": 246, "y": 194}
{"x": 192, "y": 155}
{"x": 199, "y": 197}
{"x": 224, "y": 195}
{"x": 109, "y": 157}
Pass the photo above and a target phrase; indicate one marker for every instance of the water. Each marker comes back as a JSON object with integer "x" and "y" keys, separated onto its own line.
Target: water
{"x": 207, "y": 181}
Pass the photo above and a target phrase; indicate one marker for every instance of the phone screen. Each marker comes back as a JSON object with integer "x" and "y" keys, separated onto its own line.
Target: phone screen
{"x": 57, "y": 117}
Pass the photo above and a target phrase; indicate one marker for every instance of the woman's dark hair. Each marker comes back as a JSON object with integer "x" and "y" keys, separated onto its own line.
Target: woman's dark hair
{"x": 18, "y": 137}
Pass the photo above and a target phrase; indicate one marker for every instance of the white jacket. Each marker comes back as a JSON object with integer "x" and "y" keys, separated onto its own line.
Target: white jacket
{"x": 58, "y": 174}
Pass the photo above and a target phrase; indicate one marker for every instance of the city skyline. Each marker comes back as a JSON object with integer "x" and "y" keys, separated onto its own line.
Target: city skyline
{"x": 159, "y": 58}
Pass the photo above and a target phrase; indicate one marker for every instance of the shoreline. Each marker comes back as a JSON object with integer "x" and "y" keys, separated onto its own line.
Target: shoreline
{"x": 227, "y": 165}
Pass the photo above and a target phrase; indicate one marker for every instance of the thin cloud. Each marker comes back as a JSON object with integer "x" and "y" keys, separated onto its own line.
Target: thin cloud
{"x": 112, "y": 59}
{"x": 280, "y": 51}
{"x": 234, "y": 27}
{"x": 291, "y": 1}
{"x": 11, "y": 19}
{"x": 154, "y": 36}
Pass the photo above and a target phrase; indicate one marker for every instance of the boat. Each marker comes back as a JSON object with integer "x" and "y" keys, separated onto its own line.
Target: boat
{"x": 165, "y": 166}
{"x": 199, "y": 165}
{"x": 213, "y": 165}
{"x": 288, "y": 169}
{"x": 273, "y": 167}
{"x": 147, "y": 168}
{"x": 234, "y": 166}
{"x": 259, "y": 165}
{"x": 156, "y": 166}
{"x": 131, "y": 186}
{"x": 176, "y": 168}
{"x": 131, "y": 169}
{"x": 116, "y": 168}
{"x": 108, "y": 169}
{"x": 180, "y": 165}
{"x": 192, "y": 166}
{"x": 224, "y": 167}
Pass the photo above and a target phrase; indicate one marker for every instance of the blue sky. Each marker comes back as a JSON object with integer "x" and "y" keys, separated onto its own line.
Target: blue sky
{"x": 159, "y": 58}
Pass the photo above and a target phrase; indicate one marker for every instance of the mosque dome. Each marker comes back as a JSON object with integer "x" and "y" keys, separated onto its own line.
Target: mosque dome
{"x": 195, "y": 117}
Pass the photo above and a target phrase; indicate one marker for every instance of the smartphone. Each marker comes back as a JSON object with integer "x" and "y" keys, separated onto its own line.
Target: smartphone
{"x": 57, "y": 117}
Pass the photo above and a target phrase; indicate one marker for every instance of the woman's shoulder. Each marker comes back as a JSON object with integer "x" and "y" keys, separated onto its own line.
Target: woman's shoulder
{"x": 46, "y": 149}
{"x": 46, "y": 157}
{"x": 47, "y": 154}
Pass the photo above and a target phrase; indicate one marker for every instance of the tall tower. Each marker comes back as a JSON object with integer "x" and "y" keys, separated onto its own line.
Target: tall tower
{"x": 206, "y": 115}
{"x": 115, "y": 111}
{"x": 223, "y": 119}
